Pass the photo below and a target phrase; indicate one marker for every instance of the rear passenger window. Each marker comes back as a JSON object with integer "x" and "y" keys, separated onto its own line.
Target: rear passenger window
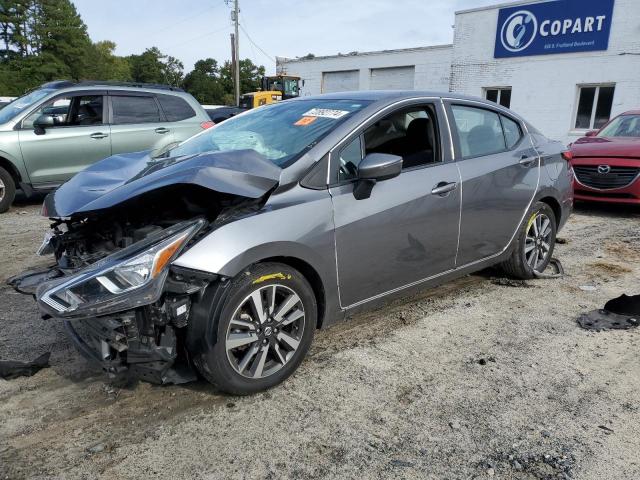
{"x": 128, "y": 109}
{"x": 175, "y": 108}
{"x": 479, "y": 130}
{"x": 512, "y": 132}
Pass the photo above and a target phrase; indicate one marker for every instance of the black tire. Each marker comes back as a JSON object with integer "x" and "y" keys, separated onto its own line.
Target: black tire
{"x": 212, "y": 360}
{"x": 516, "y": 265}
{"x": 8, "y": 193}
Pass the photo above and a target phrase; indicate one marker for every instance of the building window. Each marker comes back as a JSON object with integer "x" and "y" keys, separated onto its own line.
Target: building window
{"x": 501, "y": 96}
{"x": 594, "y": 106}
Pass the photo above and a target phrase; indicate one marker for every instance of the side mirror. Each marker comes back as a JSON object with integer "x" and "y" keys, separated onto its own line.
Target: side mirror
{"x": 375, "y": 167}
{"x": 591, "y": 133}
{"x": 42, "y": 123}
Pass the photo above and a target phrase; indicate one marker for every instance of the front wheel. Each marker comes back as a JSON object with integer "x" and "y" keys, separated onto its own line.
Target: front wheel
{"x": 7, "y": 190}
{"x": 263, "y": 330}
{"x": 535, "y": 243}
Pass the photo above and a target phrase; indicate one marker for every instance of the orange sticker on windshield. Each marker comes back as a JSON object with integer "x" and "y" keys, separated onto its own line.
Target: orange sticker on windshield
{"x": 305, "y": 121}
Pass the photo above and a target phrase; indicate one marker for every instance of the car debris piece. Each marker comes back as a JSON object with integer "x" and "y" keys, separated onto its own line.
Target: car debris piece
{"x": 624, "y": 305}
{"x": 556, "y": 265}
{"x": 620, "y": 313}
{"x": 10, "y": 369}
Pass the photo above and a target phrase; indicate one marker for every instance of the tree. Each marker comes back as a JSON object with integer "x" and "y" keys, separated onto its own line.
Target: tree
{"x": 250, "y": 76}
{"x": 152, "y": 66}
{"x": 203, "y": 82}
{"x": 102, "y": 64}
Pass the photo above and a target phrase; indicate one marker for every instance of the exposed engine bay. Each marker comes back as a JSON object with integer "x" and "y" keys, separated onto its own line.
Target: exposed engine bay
{"x": 147, "y": 342}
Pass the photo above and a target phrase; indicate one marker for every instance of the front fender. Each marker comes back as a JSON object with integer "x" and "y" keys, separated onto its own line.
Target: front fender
{"x": 297, "y": 224}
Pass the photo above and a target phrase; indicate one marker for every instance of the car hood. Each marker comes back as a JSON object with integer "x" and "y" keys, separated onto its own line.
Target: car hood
{"x": 116, "y": 179}
{"x": 624, "y": 147}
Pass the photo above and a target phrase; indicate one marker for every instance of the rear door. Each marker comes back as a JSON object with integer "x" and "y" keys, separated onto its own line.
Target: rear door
{"x": 79, "y": 137}
{"x": 181, "y": 117}
{"x": 137, "y": 122}
{"x": 500, "y": 170}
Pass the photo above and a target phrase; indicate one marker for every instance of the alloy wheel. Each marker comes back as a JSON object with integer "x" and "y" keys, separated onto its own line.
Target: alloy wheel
{"x": 537, "y": 245}
{"x": 265, "y": 331}
{"x": 3, "y": 189}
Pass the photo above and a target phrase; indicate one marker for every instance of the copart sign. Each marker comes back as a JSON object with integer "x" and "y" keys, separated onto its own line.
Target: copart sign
{"x": 560, "y": 26}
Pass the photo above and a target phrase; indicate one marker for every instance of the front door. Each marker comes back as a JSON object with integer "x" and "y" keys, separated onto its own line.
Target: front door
{"x": 406, "y": 231}
{"x": 499, "y": 169}
{"x": 78, "y": 138}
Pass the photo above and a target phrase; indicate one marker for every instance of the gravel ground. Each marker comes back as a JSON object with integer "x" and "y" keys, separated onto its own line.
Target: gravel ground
{"x": 478, "y": 378}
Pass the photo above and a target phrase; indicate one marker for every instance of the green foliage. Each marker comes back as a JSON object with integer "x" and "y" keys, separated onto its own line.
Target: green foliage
{"x": 45, "y": 40}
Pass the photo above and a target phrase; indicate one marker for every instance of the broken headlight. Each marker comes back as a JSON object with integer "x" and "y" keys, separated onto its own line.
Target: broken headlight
{"x": 129, "y": 278}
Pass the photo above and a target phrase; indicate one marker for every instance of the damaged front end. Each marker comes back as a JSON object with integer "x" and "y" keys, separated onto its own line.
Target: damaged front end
{"x": 113, "y": 286}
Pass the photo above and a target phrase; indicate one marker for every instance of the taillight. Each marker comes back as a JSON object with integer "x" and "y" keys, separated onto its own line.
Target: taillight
{"x": 43, "y": 211}
{"x": 567, "y": 155}
{"x": 205, "y": 125}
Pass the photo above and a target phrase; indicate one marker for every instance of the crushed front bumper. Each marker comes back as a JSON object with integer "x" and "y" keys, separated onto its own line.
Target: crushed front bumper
{"x": 119, "y": 346}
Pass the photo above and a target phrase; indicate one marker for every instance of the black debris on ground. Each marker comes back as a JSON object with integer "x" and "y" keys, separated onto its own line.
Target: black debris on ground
{"x": 545, "y": 466}
{"x": 510, "y": 282}
{"x": 622, "y": 313}
{"x": 10, "y": 369}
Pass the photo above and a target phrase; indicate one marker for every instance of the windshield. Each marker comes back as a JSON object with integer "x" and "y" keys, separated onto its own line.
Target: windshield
{"x": 280, "y": 132}
{"x": 21, "y": 103}
{"x": 622, "y": 126}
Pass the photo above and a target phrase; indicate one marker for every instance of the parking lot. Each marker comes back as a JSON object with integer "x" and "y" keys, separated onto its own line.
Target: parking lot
{"x": 481, "y": 377}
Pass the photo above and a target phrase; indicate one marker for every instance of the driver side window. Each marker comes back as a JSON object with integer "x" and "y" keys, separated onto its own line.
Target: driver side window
{"x": 410, "y": 133}
{"x": 70, "y": 111}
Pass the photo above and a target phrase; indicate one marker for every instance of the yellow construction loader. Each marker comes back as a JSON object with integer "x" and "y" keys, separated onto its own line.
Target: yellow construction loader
{"x": 274, "y": 89}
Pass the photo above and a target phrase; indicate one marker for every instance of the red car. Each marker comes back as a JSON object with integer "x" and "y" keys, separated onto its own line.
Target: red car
{"x": 607, "y": 161}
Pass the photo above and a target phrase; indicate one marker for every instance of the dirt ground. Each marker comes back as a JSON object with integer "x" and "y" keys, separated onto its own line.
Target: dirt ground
{"x": 478, "y": 378}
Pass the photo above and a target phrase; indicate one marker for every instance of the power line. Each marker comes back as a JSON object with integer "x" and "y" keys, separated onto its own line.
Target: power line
{"x": 178, "y": 22}
{"x": 199, "y": 37}
{"x": 256, "y": 45}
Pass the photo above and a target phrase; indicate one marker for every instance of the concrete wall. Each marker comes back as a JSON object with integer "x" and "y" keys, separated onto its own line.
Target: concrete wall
{"x": 432, "y": 67}
{"x": 545, "y": 87}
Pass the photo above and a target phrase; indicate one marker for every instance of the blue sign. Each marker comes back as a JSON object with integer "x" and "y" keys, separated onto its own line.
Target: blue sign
{"x": 559, "y": 26}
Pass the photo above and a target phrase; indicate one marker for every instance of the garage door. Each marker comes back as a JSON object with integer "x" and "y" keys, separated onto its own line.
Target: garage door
{"x": 393, "y": 78}
{"x": 345, "y": 81}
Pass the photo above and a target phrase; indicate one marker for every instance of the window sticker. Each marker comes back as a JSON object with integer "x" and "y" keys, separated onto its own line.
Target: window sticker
{"x": 304, "y": 121}
{"x": 325, "y": 113}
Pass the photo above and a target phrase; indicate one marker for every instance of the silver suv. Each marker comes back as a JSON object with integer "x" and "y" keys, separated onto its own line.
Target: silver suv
{"x": 60, "y": 128}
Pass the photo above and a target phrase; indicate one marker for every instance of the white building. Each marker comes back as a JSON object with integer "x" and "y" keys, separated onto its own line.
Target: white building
{"x": 567, "y": 66}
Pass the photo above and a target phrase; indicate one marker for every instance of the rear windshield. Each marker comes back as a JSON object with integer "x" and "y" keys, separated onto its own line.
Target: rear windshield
{"x": 622, "y": 126}
{"x": 22, "y": 103}
{"x": 281, "y": 132}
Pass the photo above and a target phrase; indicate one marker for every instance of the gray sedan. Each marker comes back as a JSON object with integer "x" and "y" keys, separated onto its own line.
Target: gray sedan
{"x": 226, "y": 252}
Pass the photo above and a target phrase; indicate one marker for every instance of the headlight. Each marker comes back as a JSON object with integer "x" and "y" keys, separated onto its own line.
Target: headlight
{"x": 129, "y": 278}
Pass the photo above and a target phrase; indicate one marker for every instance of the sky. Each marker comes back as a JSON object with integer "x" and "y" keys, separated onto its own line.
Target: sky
{"x": 194, "y": 29}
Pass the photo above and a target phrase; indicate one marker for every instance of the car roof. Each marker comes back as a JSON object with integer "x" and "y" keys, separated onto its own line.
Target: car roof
{"x": 393, "y": 95}
{"x": 67, "y": 85}
{"x": 631, "y": 112}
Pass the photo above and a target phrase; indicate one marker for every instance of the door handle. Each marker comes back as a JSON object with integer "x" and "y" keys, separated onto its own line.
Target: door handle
{"x": 98, "y": 135}
{"x": 526, "y": 160}
{"x": 162, "y": 130}
{"x": 443, "y": 188}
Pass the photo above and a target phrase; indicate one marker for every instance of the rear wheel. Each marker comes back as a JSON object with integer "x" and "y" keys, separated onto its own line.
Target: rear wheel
{"x": 7, "y": 190}
{"x": 263, "y": 330}
{"x": 536, "y": 241}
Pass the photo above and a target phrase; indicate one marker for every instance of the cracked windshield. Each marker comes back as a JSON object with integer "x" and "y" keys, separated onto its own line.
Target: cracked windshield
{"x": 280, "y": 132}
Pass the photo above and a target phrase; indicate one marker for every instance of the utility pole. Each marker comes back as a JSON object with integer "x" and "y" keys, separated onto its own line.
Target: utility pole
{"x": 236, "y": 51}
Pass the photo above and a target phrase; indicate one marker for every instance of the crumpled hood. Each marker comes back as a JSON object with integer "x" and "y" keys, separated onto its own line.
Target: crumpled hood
{"x": 121, "y": 177}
